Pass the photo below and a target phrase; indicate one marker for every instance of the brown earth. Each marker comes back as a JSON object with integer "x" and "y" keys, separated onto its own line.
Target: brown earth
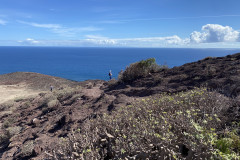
{"x": 35, "y": 81}
{"x": 217, "y": 73}
{"x": 36, "y": 123}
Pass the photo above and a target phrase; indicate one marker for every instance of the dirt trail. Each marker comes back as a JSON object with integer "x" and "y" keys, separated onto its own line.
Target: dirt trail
{"x": 11, "y": 92}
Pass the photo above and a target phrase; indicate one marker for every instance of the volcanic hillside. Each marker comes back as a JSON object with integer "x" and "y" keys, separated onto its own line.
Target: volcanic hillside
{"x": 34, "y": 80}
{"x": 217, "y": 73}
{"x": 32, "y": 127}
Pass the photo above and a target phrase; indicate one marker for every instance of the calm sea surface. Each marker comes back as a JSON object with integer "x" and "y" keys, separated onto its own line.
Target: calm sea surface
{"x": 94, "y": 63}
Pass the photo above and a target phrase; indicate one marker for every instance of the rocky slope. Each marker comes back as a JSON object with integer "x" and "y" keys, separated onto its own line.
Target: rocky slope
{"x": 35, "y": 81}
{"x": 217, "y": 73}
{"x": 30, "y": 126}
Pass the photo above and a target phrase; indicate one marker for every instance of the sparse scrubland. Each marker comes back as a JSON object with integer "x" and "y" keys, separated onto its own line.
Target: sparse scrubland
{"x": 150, "y": 112}
{"x": 187, "y": 125}
{"x": 191, "y": 125}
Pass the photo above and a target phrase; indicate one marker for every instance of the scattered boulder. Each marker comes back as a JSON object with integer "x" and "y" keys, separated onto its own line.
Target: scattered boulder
{"x": 35, "y": 122}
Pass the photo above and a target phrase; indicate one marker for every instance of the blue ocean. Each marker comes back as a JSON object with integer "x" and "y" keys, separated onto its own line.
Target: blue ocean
{"x": 81, "y": 64}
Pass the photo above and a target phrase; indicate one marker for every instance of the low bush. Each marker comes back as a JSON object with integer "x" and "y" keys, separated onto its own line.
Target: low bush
{"x": 75, "y": 98}
{"x": 6, "y": 105}
{"x": 26, "y": 105}
{"x": 19, "y": 99}
{"x": 139, "y": 69}
{"x": 49, "y": 97}
{"x": 8, "y": 123}
{"x": 53, "y": 103}
{"x": 4, "y": 139}
{"x": 65, "y": 93}
{"x": 14, "y": 130}
{"x": 186, "y": 125}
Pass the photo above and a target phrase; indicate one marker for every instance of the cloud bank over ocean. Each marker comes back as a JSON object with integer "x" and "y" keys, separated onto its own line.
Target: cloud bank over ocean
{"x": 211, "y": 35}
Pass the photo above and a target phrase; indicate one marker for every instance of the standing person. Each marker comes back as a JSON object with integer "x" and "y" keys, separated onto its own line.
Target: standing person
{"x": 51, "y": 88}
{"x": 110, "y": 74}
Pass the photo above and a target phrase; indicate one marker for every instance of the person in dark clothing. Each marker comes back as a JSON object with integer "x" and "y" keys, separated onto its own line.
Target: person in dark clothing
{"x": 110, "y": 74}
{"x": 51, "y": 88}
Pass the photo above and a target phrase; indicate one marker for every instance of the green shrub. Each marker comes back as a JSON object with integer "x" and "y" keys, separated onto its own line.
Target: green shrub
{"x": 19, "y": 99}
{"x": 65, "y": 93}
{"x": 236, "y": 141}
{"x": 139, "y": 69}
{"x": 228, "y": 147}
{"x": 6, "y": 105}
{"x": 8, "y": 123}
{"x": 26, "y": 105}
{"x": 53, "y": 103}
{"x": 224, "y": 145}
{"x": 49, "y": 97}
{"x": 14, "y": 130}
{"x": 27, "y": 148}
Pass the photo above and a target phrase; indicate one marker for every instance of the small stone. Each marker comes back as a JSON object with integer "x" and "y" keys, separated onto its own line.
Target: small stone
{"x": 76, "y": 154}
{"x": 109, "y": 135}
{"x": 103, "y": 140}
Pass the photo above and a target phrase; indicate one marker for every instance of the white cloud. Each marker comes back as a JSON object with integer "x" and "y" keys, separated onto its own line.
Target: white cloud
{"x": 111, "y": 22}
{"x": 174, "y": 41}
{"x": 30, "y": 41}
{"x": 2, "y": 22}
{"x": 173, "y": 18}
{"x": 61, "y": 30}
{"x": 95, "y": 37}
{"x": 211, "y": 36}
{"x": 215, "y": 33}
{"x": 49, "y": 26}
{"x": 135, "y": 42}
{"x": 100, "y": 41}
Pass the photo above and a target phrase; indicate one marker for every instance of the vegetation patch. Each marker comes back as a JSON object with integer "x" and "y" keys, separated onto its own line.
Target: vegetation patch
{"x": 184, "y": 125}
{"x": 140, "y": 69}
{"x": 53, "y": 103}
{"x": 4, "y": 139}
{"x": 14, "y": 130}
{"x": 8, "y": 123}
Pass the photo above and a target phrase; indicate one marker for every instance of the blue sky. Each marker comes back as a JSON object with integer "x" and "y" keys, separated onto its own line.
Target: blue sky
{"x": 120, "y": 23}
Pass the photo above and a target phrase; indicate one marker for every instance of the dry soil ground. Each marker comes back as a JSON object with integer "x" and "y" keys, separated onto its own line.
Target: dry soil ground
{"x": 11, "y": 92}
